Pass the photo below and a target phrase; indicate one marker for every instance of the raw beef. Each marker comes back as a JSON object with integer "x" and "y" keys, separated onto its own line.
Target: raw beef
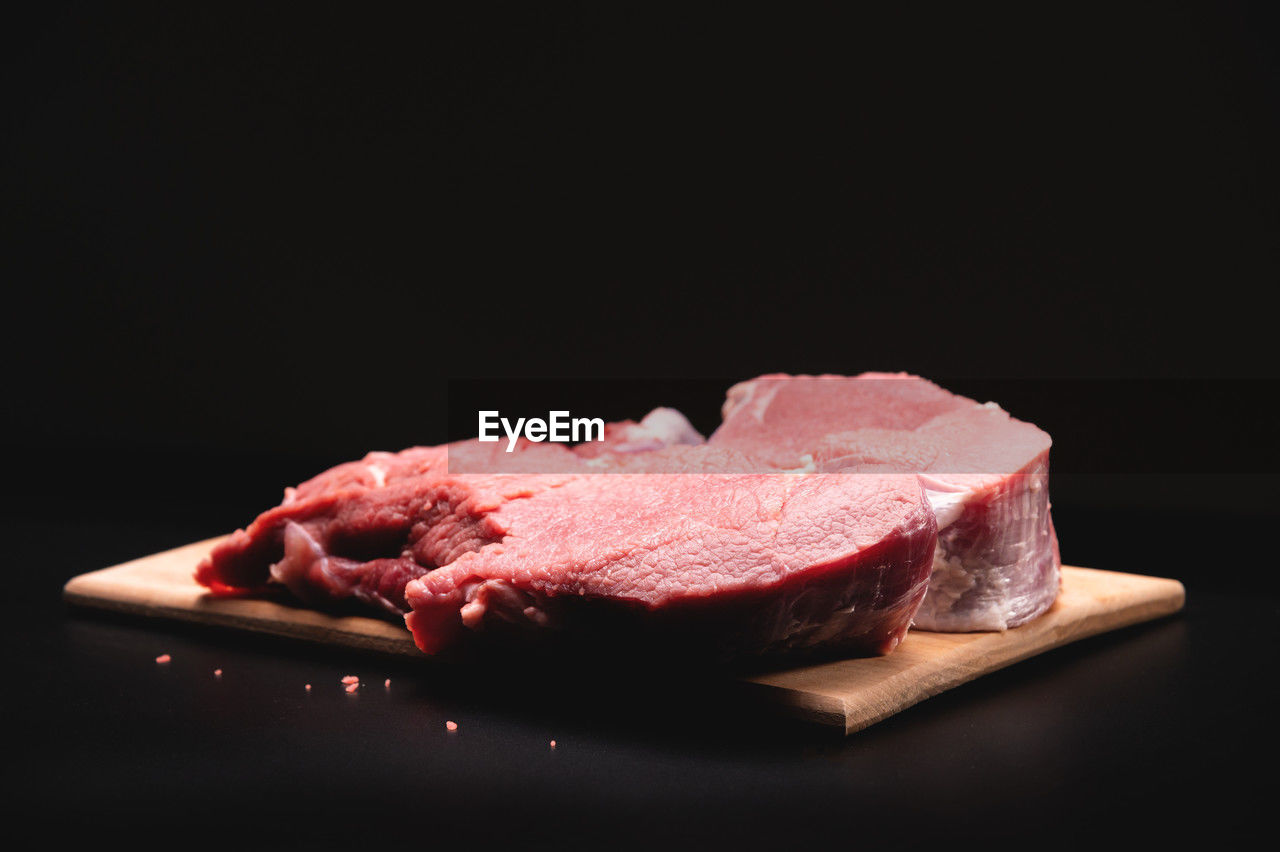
{"x": 736, "y": 563}
{"x": 726, "y": 564}
{"x": 363, "y": 529}
{"x": 353, "y": 531}
{"x": 818, "y": 516}
{"x": 986, "y": 476}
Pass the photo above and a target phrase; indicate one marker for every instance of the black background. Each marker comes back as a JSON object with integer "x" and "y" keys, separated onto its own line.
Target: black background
{"x": 240, "y": 245}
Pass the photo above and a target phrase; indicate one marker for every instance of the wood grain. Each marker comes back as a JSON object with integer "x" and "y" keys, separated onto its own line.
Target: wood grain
{"x": 860, "y": 692}
{"x": 850, "y": 693}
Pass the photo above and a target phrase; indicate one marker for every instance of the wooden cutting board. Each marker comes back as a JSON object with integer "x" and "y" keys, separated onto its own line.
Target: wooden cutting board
{"x": 850, "y": 693}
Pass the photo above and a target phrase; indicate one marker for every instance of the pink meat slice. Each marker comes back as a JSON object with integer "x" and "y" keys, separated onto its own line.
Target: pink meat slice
{"x": 781, "y": 418}
{"x": 678, "y": 540}
{"x": 985, "y": 473}
{"x": 364, "y": 529}
{"x": 749, "y": 563}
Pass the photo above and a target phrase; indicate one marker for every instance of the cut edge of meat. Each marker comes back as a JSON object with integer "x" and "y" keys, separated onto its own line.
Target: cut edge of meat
{"x": 997, "y": 563}
{"x": 861, "y": 602}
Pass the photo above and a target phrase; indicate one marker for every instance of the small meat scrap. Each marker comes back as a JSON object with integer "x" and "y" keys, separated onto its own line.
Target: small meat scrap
{"x": 352, "y": 687}
{"x": 387, "y": 683}
{"x": 163, "y": 658}
{"x": 451, "y": 725}
{"x": 217, "y": 672}
{"x": 308, "y": 687}
{"x": 350, "y": 679}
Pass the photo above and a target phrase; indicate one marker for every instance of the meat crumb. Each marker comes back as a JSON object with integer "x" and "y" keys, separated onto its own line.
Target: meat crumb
{"x": 451, "y": 725}
{"x": 387, "y": 683}
{"x": 351, "y": 679}
{"x": 308, "y": 687}
{"x": 163, "y": 658}
{"x": 352, "y": 687}
{"x": 217, "y": 672}
{"x": 553, "y": 743}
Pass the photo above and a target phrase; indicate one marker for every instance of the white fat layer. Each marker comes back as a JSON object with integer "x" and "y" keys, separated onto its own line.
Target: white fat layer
{"x": 671, "y": 427}
{"x": 947, "y": 506}
{"x": 806, "y": 465}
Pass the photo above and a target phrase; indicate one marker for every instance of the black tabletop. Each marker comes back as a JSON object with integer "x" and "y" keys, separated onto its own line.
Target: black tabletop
{"x": 1146, "y": 733}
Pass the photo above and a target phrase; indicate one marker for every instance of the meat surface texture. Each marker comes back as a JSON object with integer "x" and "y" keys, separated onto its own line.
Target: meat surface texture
{"x": 986, "y": 477}
{"x": 825, "y": 513}
{"x": 674, "y": 546}
{"x": 364, "y": 529}
{"x": 765, "y": 564}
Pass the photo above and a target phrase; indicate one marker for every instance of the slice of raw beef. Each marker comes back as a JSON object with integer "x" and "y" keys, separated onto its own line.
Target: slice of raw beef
{"x": 663, "y": 546}
{"x": 986, "y": 475}
{"x": 363, "y": 529}
{"x": 719, "y": 564}
{"x": 357, "y": 531}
